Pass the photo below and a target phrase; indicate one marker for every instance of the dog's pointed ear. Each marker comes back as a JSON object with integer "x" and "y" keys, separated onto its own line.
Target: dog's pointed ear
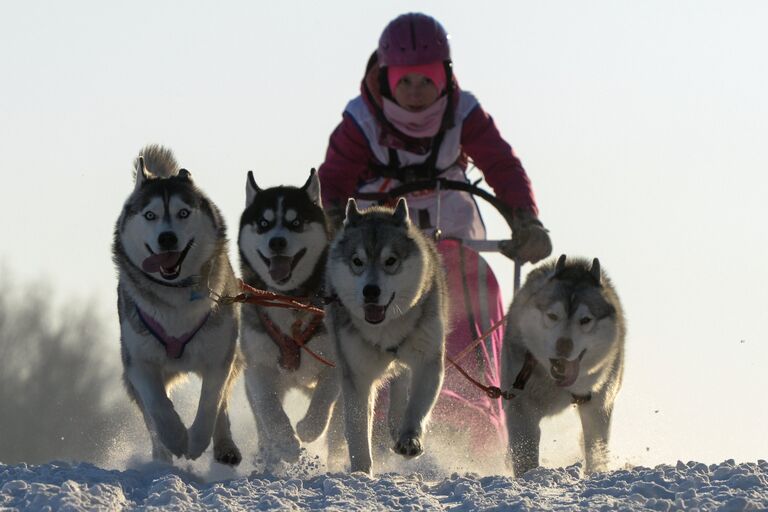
{"x": 141, "y": 173}
{"x": 401, "y": 211}
{"x": 559, "y": 266}
{"x": 251, "y": 189}
{"x": 595, "y": 271}
{"x": 312, "y": 187}
{"x": 185, "y": 174}
{"x": 352, "y": 213}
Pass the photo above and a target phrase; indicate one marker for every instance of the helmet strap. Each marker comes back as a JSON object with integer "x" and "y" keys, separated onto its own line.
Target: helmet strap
{"x": 384, "y": 84}
{"x": 448, "y": 115}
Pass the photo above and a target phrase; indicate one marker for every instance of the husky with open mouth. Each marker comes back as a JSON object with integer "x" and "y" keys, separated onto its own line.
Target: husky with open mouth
{"x": 283, "y": 242}
{"x": 169, "y": 245}
{"x": 389, "y": 322}
{"x": 564, "y": 344}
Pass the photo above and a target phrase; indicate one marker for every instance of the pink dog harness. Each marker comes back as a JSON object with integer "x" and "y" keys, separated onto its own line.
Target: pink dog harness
{"x": 174, "y": 347}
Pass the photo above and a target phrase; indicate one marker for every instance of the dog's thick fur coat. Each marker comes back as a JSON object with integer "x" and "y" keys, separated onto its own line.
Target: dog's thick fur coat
{"x": 389, "y": 322}
{"x": 169, "y": 246}
{"x": 567, "y": 320}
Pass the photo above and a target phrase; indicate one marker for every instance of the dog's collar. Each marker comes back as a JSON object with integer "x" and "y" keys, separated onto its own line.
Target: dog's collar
{"x": 174, "y": 347}
{"x": 527, "y": 370}
{"x": 184, "y": 283}
{"x": 290, "y": 346}
{"x": 494, "y": 392}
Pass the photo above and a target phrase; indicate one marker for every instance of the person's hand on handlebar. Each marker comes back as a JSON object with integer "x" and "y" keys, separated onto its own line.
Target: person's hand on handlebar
{"x": 530, "y": 239}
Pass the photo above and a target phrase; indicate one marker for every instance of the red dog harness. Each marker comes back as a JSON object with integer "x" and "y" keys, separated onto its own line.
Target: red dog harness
{"x": 290, "y": 346}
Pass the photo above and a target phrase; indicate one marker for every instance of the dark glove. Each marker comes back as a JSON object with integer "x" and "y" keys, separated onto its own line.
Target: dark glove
{"x": 530, "y": 240}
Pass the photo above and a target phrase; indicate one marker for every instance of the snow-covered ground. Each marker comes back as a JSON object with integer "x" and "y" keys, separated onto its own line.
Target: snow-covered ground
{"x": 449, "y": 476}
{"x": 64, "y": 486}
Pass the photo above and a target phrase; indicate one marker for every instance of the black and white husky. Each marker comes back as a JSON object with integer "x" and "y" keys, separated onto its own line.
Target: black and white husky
{"x": 564, "y": 344}
{"x": 283, "y": 241}
{"x": 389, "y": 321}
{"x": 169, "y": 246}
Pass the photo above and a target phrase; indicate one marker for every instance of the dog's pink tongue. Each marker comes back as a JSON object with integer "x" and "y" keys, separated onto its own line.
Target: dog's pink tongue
{"x": 280, "y": 268}
{"x": 374, "y": 314}
{"x": 166, "y": 259}
{"x": 564, "y": 372}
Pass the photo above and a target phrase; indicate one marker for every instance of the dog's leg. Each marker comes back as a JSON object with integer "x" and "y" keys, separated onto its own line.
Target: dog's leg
{"x": 275, "y": 430}
{"x": 263, "y": 442}
{"x": 149, "y": 388}
{"x": 596, "y": 424}
{"x": 159, "y": 452}
{"x": 398, "y": 398}
{"x": 426, "y": 380}
{"x": 335, "y": 440}
{"x": 358, "y": 415}
{"x": 212, "y": 395}
{"x": 524, "y": 435}
{"x": 315, "y": 421}
{"x": 225, "y": 450}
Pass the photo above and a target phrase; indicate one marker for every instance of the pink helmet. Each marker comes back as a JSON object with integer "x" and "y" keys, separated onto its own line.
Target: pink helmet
{"x": 413, "y": 39}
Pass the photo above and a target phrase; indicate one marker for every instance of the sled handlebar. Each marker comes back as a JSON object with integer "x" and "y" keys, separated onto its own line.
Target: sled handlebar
{"x": 445, "y": 184}
{"x": 484, "y": 245}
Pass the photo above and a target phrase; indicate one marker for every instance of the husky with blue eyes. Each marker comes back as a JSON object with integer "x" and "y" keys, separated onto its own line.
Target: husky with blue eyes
{"x": 169, "y": 246}
{"x": 283, "y": 242}
{"x": 389, "y": 322}
{"x": 564, "y": 344}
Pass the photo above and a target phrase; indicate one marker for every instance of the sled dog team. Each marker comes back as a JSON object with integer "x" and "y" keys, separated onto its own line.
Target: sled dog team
{"x": 383, "y": 289}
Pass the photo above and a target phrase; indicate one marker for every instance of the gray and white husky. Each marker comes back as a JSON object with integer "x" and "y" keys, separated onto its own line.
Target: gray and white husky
{"x": 283, "y": 241}
{"x": 564, "y": 344}
{"x": 169, "y": 245}
{"x": 389, "y": 321}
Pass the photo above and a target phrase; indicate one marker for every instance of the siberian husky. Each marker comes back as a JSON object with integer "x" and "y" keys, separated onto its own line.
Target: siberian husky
{"x": 169, "y": 246}
{"x": 389, "y": 321}
{"x": 283, "y": 241}
{"x": 564, "y": 344}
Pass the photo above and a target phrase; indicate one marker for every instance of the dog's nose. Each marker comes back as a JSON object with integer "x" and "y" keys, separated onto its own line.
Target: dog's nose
{"x": 167, "y": 240}
{"x": 278, "y": 244}
{"x": 371, "y": 293}
{"x": 564, "y": 347}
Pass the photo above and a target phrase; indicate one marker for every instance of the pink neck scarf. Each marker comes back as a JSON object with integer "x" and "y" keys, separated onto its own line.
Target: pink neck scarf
{"x": 422, "y": 124}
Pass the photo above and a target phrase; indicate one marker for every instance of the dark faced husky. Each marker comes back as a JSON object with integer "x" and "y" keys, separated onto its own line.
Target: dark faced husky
{"x": 169, "y": 245}
{"x": 283, "y": 241}
{"x": 564, "y": 344}
{"x": 389, "y": 320}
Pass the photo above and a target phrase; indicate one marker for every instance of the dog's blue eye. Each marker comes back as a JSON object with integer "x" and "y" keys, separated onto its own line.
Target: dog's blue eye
{"x": 150, "y": 216}
{"x": 183, "y": 213}
{"x": 263, "y": 223}
{"x": 296, "y": 223}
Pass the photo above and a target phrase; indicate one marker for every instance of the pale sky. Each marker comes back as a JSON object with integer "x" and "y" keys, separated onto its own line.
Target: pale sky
{"x": 642, "y": 126}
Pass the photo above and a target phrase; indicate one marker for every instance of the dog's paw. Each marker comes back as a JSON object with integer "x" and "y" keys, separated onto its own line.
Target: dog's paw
{"x": 197, "y": 444}
{"x": 161, "y": 454}
{"x": 226, "y": 452}
{"x": 408, "y": 445}
{"x": 308, "y": 429}
{"x": 172, "y": 433}
{"x": 394, "y": 433}
{"x": 288, "y": 448}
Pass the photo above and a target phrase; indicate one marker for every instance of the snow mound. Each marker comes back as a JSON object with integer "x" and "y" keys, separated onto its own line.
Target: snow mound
{"x": 727, "y": 486}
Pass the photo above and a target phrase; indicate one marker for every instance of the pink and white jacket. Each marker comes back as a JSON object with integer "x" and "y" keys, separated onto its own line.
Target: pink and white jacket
{"x": 361, "y": 142}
